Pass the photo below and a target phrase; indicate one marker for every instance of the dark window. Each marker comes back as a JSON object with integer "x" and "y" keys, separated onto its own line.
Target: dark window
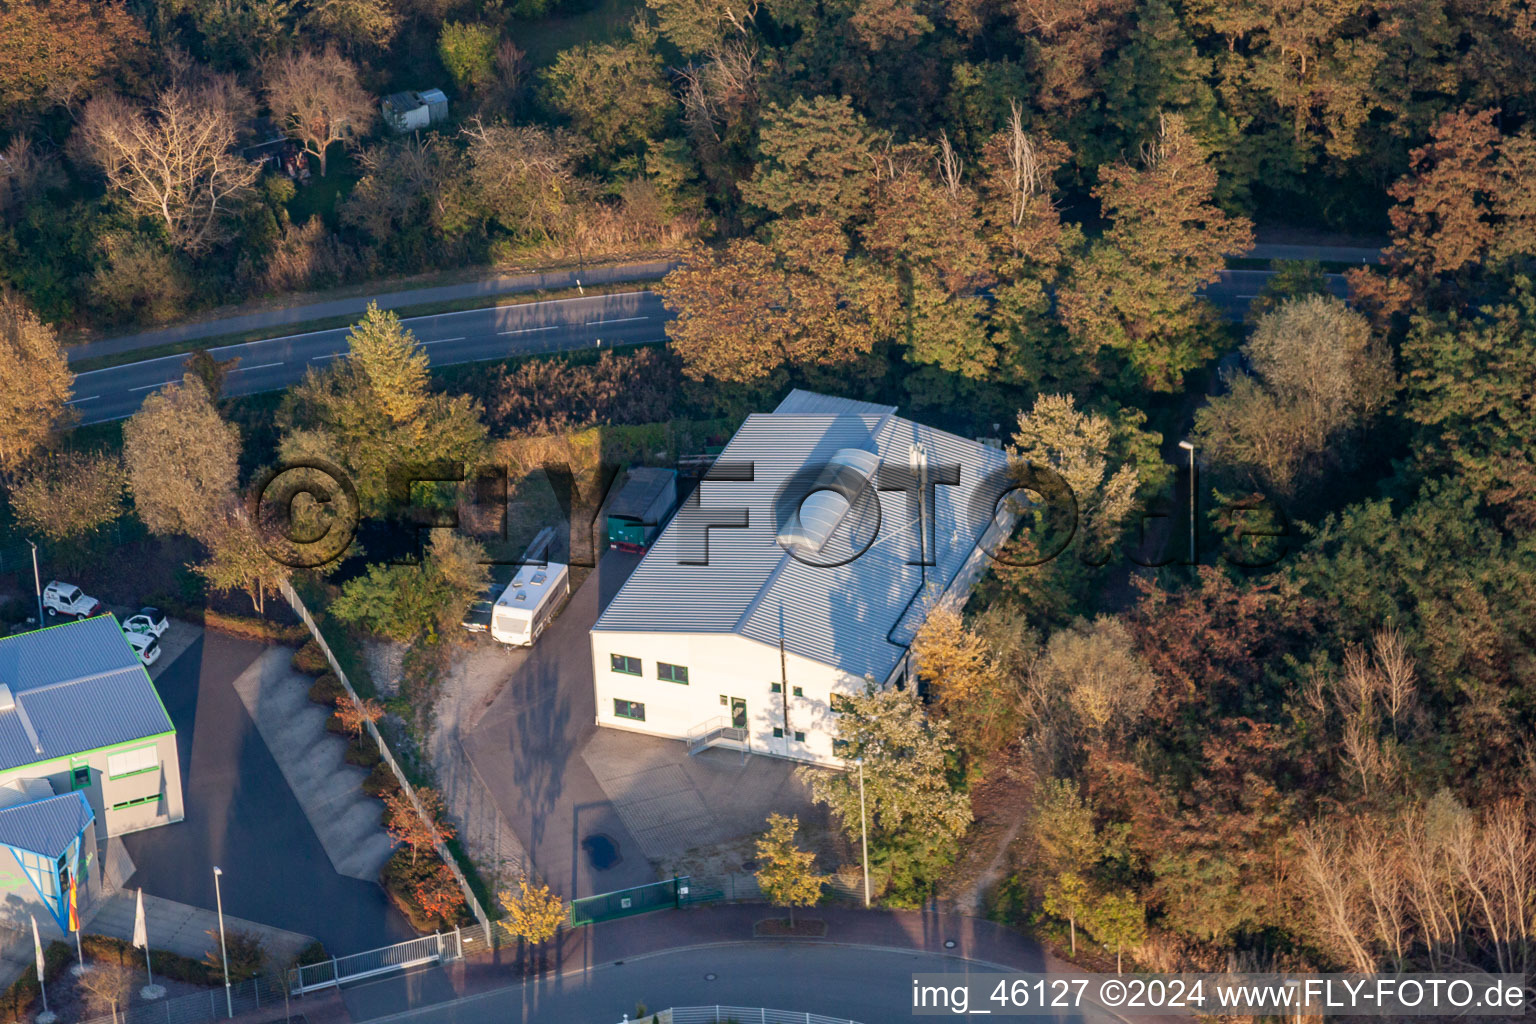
{"x": 672, "y": 673}
{"x": 724, "y": 700}
{"x": 778, "y": 733}
{"x": 798, "y": 691}
{"x": 778, "y": 688}
{"x": 80, "y": 778}
{"x": 799, "y": 736}
{"x": 631, "y": 709}
{"x": 621, "y": 663}
{"x": 841, "y": 704}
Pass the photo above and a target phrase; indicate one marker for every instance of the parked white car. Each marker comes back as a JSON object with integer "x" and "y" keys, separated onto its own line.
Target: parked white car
{"x": 148, "y": 620}
{"x": 67, "y": 599}
{"x": 145, "y": 646}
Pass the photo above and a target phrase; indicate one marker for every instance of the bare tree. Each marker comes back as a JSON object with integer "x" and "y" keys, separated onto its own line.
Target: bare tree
{"x": 318, "y": 99}
{"x": 176, "y": 160}
{"x": 1397, "y": 668}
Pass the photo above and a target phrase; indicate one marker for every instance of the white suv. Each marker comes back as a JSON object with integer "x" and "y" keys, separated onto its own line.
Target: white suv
{"x": 68, "y": 599}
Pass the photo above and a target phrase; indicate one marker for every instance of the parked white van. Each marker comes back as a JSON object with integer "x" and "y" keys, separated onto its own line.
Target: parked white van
{"x": 529, "y": 603}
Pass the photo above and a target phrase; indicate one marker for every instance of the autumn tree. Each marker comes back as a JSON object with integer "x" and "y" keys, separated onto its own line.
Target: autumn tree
{"x": 373, "y": 411}
{"x": 1135, "y": 291}
{"x": 439, "y": 894}
{"x": 747, "y": 312}
{"x": 70, "y": 494}
{"x": 35, "y": 389}
{"x": 1089, "y": 685}
{"x": 615, "y": 94}
{"x": 352, "y": 23}
{"x": 968, "y": 685}
{"x": 255, "y": 558}
{"x": 1316, "y": 375}
{"x": 1117, "y": 921}
{"x": 524, "y": 177}
{"x": 55, "y": 51}
{"x": 317, "y": 98}
{"x": 701, "y": 26}
{"x": 175, "y": 161}
{"x": 421, "y": 831}
{"x": 183, "y": 460}
{"x": 817, "y": 159}
{"x": 915, "y": 811}
{"x": 356, "y": 715}
{"x": 787, "y": 875}
{"x": 534, "y": 913}
{"x": 1066, "y": 896}
{"x": 107, "y": 987}
{"x": 405, "y": 602}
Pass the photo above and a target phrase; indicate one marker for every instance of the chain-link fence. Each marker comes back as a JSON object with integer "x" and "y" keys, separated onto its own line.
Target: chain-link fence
{"x": 254, "y": 994}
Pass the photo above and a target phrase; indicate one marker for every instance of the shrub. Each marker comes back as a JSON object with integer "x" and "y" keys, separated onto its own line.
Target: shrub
{"x": 166, "y": 964}
{"x": 325, "y": 690}
{"x": 403, "y": 880}
{"x": 314, "y": 953}
{"x": 381, "y": 780}
{"x": 247, "y": 956}
{"x": 310, "y": 660}
{"x": 556, "y": 395}
{"x": 336, "y": 727}
{"x": 250, "y": 627}
{"x": 17, "y": 1002}
{"x": 364, "y": 753}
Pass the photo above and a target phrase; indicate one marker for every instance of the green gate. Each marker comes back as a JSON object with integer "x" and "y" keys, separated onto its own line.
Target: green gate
{"x": 641, "y": 899}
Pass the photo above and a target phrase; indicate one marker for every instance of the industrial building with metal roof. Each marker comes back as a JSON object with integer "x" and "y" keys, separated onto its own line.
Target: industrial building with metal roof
{"x": 87, "y": 751}
{"x": 804, "y": 534}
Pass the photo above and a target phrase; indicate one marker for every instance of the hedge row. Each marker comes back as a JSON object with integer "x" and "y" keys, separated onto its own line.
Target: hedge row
{"x": 251, "y": 628}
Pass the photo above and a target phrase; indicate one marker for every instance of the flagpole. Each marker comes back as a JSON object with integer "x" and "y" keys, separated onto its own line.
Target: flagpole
{"x": 141, "y": 939}
{"x": 47, "y": 1016}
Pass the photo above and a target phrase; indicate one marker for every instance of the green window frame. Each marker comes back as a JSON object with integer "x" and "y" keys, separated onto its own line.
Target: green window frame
{"x": 798, "y": 691}
{"x": 778, "y": 733}
{"x": 672, "y": 673}
{"x": 79, "y": 777}
{"x": 777, "y": 687}
{"x": 135, "y": 803}
{"x": 799, "y": 736}
{"x": 625, "y": 665}
{"x": 630, "y": 709}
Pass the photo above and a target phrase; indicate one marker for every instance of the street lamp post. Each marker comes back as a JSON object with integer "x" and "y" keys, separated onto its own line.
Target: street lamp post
{"x": 229, "y": 1002}
{"x": 1193, "y": 499}
{"x": 863, "y": 833}
{"x": 37, "y": 584}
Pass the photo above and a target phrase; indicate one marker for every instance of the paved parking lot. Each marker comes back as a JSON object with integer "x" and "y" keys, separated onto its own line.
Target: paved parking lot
{"x": 241, "y": 815}
{"x": 560, "y": 781}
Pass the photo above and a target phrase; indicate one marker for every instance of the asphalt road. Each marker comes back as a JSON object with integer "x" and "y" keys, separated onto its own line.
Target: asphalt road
{"x": 626, "y": 318}
{"x": 868, "y": 985}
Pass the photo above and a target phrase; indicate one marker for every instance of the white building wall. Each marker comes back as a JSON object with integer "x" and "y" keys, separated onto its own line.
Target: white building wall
{"x": 720, "y": 665}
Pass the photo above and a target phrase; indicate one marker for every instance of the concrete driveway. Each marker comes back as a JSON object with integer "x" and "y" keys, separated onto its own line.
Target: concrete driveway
{"x": 527, "y": 746}
{"x": 241, "y": 815}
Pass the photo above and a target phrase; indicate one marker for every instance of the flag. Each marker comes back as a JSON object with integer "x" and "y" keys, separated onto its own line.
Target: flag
{"x": 74, "y": 907}
{"x": 37, "y": 942}
{"x": 140, "y": 933}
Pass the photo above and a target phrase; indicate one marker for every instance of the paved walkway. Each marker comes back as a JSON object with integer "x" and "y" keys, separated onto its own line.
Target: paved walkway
{"x": 486, "y": 288}
{"x": 346, "y": 819}
{"x": 184, "y": 929}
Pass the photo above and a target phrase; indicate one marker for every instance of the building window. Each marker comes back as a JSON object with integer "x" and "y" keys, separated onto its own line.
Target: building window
{"x": 131, "y": 762}
{"x": 80, "y": 778}
{"x": 778, "y": 687}
{"x": 672, "y": 673}
{"x": 841, "y": 704}
{"x": 135, "y": 803}
{"x": 724, "y": 700}
{"x": 798, "y": 691}
{"x": 778, "y": 733}
{"x": 799, "y": 736}
{"x": 631, "y": 709}
{"x": 622, "y": 663}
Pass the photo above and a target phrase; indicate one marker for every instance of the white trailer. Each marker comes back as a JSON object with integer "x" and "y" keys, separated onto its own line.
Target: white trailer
{"x": 529, "y": 603}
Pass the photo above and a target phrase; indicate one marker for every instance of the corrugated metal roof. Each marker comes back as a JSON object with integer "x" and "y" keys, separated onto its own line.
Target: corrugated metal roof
{"x": 857, "y": 616}
{"x": 799, "y": 401}
{"x": 45, "y": 827}
{"x": 78, "y": 687}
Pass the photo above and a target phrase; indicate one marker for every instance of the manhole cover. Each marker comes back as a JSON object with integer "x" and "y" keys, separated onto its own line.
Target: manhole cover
{"x": 602, "y": 852}
{"x": 949, "y": 943}
{"x": 709, "y": 977}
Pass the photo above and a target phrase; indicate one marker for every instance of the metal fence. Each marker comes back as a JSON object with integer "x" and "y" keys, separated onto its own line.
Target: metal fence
{"x": 444, "y": 947}
{"x": 640, "y": 899}
{"x": 201, "y": 1007}
{"x": 740, "y": 1015}
{"x": 470, "y": 899}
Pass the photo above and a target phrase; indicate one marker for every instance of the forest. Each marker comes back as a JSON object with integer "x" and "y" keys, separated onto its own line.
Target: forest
{"x": 999, "y": 215}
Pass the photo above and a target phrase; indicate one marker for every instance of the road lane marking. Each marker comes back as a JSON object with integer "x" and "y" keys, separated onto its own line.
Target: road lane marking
{"x": 258, "y": 366}
{"x": 435, "y": 341}
{"x": 530, "y": 330}
{"x": 91, "y": 398}
{"x": 147, "y": 387}
{"x": 328, "y": 355}
{"x": 620, "y": 320}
